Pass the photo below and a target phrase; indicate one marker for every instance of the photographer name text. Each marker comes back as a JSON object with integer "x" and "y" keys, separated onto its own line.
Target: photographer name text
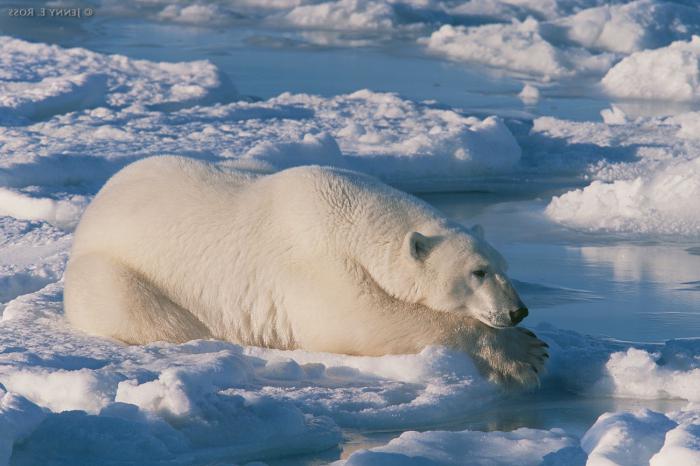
{"x": 50, "y": 12}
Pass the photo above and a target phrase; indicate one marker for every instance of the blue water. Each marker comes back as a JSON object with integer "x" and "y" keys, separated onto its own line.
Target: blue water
{"x": 592, "y": 284}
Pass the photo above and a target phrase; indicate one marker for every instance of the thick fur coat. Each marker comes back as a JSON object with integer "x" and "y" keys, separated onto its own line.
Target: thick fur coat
{"x": 316, "y": 258}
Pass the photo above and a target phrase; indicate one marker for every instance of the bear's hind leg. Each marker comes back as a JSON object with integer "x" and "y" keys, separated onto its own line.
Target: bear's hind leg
{"x": 107, "y": 298}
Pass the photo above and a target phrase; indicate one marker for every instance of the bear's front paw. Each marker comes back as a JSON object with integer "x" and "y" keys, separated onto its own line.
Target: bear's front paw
{"x": 511, "y": 356}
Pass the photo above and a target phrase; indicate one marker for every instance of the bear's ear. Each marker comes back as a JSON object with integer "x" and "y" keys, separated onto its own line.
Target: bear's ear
{"x": 478, "y": 231}
{"x": 419, "y": 246}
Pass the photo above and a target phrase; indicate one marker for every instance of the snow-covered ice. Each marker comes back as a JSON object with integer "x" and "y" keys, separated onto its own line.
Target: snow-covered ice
{"x": 527, "y": 447}
{"x": 647, "y": 185}
{"x": 530, "y": 94}
{"x": 71, "y": 117}
{"x": 667, "y": 73}
{"x": 518, "y": 47}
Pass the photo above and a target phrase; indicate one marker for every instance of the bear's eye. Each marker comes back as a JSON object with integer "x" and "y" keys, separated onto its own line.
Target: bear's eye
{"x": 479, "y": 273}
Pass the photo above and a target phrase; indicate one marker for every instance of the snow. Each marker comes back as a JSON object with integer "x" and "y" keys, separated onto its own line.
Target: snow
{"x": 613, "y": 116}
{"x": 669, "y": 73}
{"x": 62, "y": 213}
{"x": 630, "y": 27}
{"x": 70, "y": 118}
{"x": 518, "y": 47}
{"x": 529, "y": 95}
{"x": 39, "y": 80}
{"x": 663, "y": 202}
{"x": 192, "y": 14}
{"x": 636, "y": 373}
{"x": 645, "y": 185}
{"x": 681, "y": 446}
{"x": 210, "y": 400}
{"x": 343, "y": 15}
{"x": 625, "y": 439}
{"x": 526, "y": 447}
{"x": 379, "y": 133}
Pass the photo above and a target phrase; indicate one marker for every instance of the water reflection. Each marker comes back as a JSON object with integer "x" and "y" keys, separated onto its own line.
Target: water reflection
{"x": 645, "y": 263}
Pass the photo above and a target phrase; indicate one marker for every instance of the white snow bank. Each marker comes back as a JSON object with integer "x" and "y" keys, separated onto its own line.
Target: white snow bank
{"x": 681, "y": 445}
{"x": 629, "y": 27}
{"x": 60, "y": 390}
{"x": 18, "y": 418}
{"x": 202, "y": 14}
{"x": 378, "y": 133}
{"x": 37, "y": 80}
{"x": 31, "y": 257}
{"x": 414, "y": 390}
{"x": 344, "y": 15}
{"x": 642, "y": 173}
{"x": 211, "y": 401}
{"x": 613, "y": 116}
{"x": 526, "y": 447}
{"x": 529, "y": 94}
{"x": 63, "y": 213}
{"x": 661, "y": 202}
{"x": 50, "y": 95}
{"x": 625, "y": 439}
{"x": 637, "y": 373}
{"x": 668, "y": 73}
{"x": 517, "y": 47}
{"x": 621, "y": 439}
{"x": 386, "y": 135}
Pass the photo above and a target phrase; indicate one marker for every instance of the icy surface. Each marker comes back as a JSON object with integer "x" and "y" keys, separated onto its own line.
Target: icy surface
{"x": 211, "y": 400}
{"x": 517, "y": 47}
{"x": 527, "y": 447}
{"x": 648, "y": 183}
{"x": 39, "y": 80}
{"x": 379, "y": 133}
{"x": 70, "y": 118}
{"x": 669, "y": 73}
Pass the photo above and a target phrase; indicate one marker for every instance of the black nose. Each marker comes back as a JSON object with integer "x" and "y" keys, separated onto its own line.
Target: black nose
{"x": 518, "y": 315}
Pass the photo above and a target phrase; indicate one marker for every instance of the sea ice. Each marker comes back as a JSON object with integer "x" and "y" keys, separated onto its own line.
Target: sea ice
{"x": 530, "y": 94}
{"x": 39, "y": 80}
{"x": 518, "y": 47}
{"x": 524, "y": 447}
{"x": 667, "y": 73}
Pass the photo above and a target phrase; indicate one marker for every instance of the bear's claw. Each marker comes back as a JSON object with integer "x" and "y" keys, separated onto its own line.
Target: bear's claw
{"x": 511, "y": 357}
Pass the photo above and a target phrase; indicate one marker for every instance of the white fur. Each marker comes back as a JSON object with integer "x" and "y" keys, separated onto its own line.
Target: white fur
{"x": 315, "y": 258}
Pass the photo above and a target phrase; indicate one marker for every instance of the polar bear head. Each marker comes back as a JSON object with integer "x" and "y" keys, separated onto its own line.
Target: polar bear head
{"x": 456, "y": 270}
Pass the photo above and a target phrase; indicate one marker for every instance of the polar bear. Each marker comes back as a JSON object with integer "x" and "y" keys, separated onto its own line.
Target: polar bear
{"x": 311, "y": 257}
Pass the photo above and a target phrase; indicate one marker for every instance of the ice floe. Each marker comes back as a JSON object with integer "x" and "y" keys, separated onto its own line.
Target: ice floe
{"x": 379, "y": 133}
{"x": 518, "y": 47}
{"x": 71, "y": 118}
{"x": 667, "y": 73}
{"x": 40, "y": 80}
{"x": 526, "y": 447}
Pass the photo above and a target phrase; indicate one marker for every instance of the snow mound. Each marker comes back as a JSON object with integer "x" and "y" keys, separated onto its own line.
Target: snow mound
{"x": 630, "y": 27}
{"x": 681, "y": 445}
{"x": 517, "y": 47}
{"x": 18, "y": 418}
{"x": 61, "y": 213}
{"x": 613, "y": 116}
{"x": 526, "y": 447}
{"x": 212, "y": 401}
{"x": 637, "y": 373}
{"x": 378, "y": 133}
{"x": 660, "y": 202}
{"x": 51, "y": 95}
{"x": 344, "y": 15}
{"x": 668, "y": 73}
{"x": 37, "y": 80}
{"x": 529, "y": 94}
{"x": 625, "y": 439}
